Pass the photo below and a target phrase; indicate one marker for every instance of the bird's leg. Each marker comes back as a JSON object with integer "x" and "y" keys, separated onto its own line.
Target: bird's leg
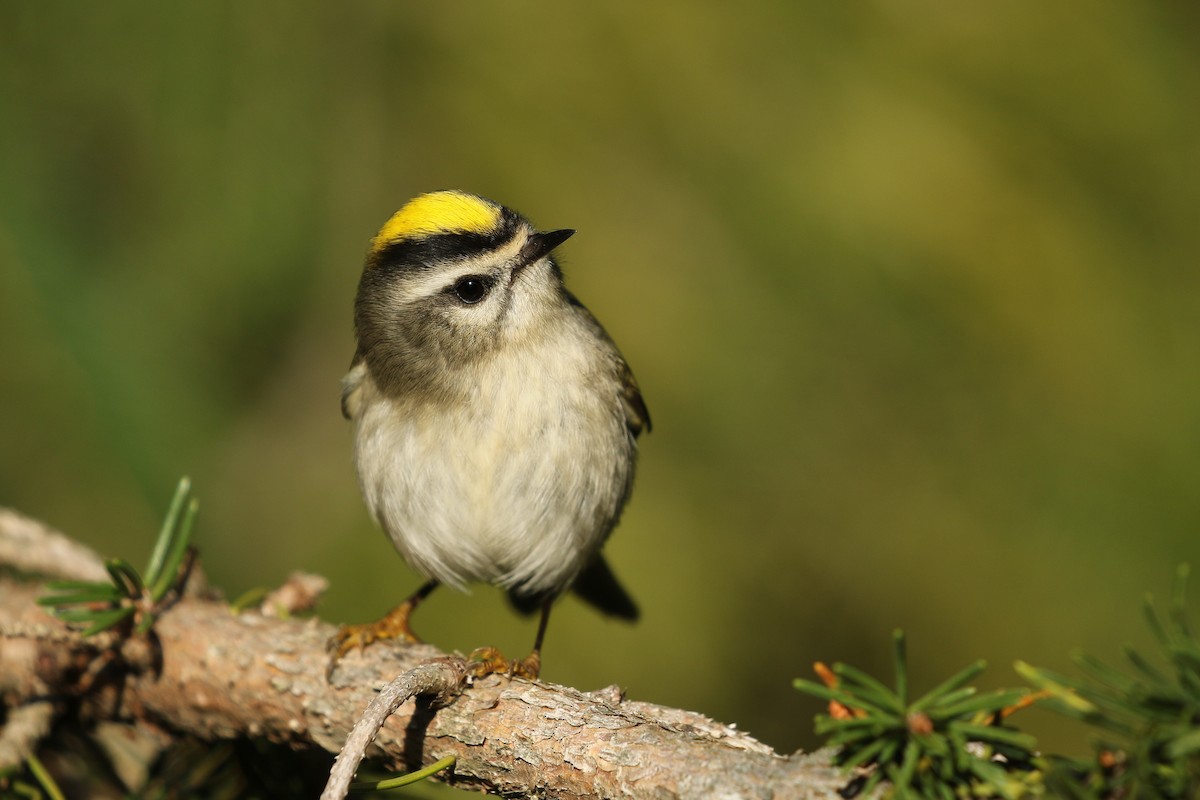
{"x": 393, "y": 625}
{"x": 531, "y": 665}
{"x": 487, "y": 660}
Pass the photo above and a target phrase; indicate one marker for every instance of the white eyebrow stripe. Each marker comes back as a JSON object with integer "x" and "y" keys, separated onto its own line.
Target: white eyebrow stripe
{"x": 414, "y": 285}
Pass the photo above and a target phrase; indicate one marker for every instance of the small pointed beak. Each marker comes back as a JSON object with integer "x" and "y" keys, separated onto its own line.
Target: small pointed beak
{"x": 540, "y": 244}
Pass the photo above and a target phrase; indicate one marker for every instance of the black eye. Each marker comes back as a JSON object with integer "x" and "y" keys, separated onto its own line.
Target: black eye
{"x": 472, "y": 288}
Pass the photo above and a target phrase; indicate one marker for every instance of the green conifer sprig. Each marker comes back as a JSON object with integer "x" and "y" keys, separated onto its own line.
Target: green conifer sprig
{"x": 948, "y": 743}
{"x": 1148, "y": 717}
{"x": 131, "y": 598}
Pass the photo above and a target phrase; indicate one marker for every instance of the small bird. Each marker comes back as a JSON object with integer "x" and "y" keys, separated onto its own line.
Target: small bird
{"x": 495, "y": 422}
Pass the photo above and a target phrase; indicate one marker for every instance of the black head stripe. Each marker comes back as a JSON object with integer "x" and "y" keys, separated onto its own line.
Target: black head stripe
{"x": 422, "y": 252}
{"x": 425, "y": 251}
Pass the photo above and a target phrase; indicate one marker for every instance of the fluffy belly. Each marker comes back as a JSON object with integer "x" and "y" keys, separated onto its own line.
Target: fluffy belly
{"x": 506, "y": 494}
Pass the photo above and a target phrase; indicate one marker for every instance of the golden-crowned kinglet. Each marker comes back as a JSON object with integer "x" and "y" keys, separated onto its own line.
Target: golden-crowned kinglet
{"x": 495, "y": 422}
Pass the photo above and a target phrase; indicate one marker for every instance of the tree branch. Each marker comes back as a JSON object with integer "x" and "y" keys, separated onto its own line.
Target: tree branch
{"x": 220, "y": 675}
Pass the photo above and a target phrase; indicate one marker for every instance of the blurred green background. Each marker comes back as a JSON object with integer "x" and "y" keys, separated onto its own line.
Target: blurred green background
{"x": 911, "y": 290}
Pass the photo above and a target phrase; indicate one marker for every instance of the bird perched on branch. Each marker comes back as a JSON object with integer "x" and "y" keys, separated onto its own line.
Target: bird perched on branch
{"x": 495, "y": 422}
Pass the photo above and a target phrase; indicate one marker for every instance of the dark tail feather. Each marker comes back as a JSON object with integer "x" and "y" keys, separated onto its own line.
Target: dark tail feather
{"x": 597, "y": 586}
{"x": 525, "y": 604}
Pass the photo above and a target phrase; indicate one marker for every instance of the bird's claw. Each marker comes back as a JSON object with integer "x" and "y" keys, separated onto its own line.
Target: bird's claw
{"x": 393, "y": 625}
{"x": 488, "y": 660}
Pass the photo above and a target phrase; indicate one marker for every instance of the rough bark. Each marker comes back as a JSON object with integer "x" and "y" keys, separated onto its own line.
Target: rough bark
{"x": 215, "y": 674}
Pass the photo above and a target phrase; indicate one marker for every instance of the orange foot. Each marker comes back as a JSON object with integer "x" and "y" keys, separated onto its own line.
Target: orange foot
{"x": 486, "y": 660}
{"x": 393, "y": 625}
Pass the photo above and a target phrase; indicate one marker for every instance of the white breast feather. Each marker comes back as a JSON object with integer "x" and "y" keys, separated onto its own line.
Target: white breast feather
{"x": 518, "y": 488}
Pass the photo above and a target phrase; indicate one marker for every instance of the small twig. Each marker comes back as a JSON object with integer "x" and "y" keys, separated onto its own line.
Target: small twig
{"x": 440, "y": 678}
{"x": 299, "y": 593}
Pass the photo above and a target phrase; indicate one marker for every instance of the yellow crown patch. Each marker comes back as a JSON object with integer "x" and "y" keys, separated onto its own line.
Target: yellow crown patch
{"x": 439, "y": 212}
